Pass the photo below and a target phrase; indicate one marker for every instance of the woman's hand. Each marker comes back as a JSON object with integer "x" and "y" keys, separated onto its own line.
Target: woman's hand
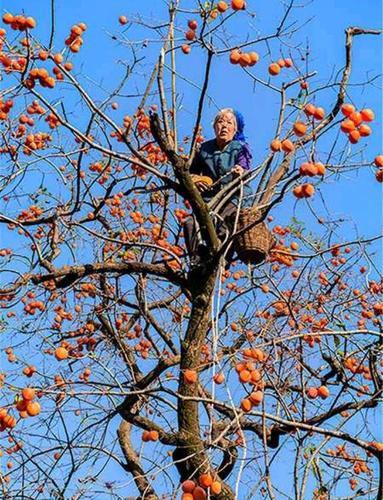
{"x": 237, "y": 170}
{"x": 202, "y": 182}
{"x": 202, "y": 186}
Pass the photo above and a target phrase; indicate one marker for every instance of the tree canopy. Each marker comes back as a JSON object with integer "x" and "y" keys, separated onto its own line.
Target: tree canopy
{"x": 123, "y": 373}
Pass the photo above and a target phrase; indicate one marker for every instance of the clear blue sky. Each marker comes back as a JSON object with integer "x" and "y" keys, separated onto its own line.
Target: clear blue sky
{"x": 358, "y": 196}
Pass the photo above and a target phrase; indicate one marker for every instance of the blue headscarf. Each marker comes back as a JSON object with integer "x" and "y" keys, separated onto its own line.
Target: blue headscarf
{"x": 239, "y": 136}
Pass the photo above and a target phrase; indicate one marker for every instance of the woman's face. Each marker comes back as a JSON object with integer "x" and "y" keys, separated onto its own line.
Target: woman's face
{"x": 225, "y": 127}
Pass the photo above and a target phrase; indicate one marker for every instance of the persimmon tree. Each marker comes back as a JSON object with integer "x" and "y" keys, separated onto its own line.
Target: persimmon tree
{"x": 123, "y": 372}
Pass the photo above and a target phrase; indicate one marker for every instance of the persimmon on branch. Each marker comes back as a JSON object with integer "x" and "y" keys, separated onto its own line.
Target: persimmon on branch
{"x": 281, "y": 171}
{"x": 191, "y": 384}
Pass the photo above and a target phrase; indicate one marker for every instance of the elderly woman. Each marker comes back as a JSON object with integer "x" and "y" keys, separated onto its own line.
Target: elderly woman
{"x": 222, "y": 159}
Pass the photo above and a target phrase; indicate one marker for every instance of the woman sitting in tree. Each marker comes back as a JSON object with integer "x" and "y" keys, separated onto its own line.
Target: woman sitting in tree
{"x": 222, "y": 159}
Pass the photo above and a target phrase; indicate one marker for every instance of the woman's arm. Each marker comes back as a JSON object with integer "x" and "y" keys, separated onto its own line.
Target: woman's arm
{"x": 244, "y": 157}
{"x": 197, "y": 164}
{"x": 243, "y": 160}
{"x": 197, "y": 171}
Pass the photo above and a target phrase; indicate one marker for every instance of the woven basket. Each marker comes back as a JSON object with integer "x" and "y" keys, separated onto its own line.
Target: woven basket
{"x": 253, "y": 245}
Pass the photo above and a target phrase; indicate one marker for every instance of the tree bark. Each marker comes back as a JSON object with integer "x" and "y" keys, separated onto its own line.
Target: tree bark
{"x": 133, "y": 463}
{"x": 190, "y": 457}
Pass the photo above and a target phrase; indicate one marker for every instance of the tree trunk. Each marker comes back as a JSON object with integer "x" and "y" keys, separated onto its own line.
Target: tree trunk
{"x": 190, "y": 458}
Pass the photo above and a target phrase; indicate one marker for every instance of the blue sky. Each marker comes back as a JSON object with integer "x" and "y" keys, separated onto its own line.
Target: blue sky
{"x": 355, "y": 197}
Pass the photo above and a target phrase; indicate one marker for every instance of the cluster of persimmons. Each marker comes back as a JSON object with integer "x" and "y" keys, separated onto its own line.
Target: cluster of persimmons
{"x": 275, "y": 67}
{"x": 15, "y": 62}
{"x": 220, "y": 8}
{"x": 207, "y": 483}
{"x": 146, "y": 226}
